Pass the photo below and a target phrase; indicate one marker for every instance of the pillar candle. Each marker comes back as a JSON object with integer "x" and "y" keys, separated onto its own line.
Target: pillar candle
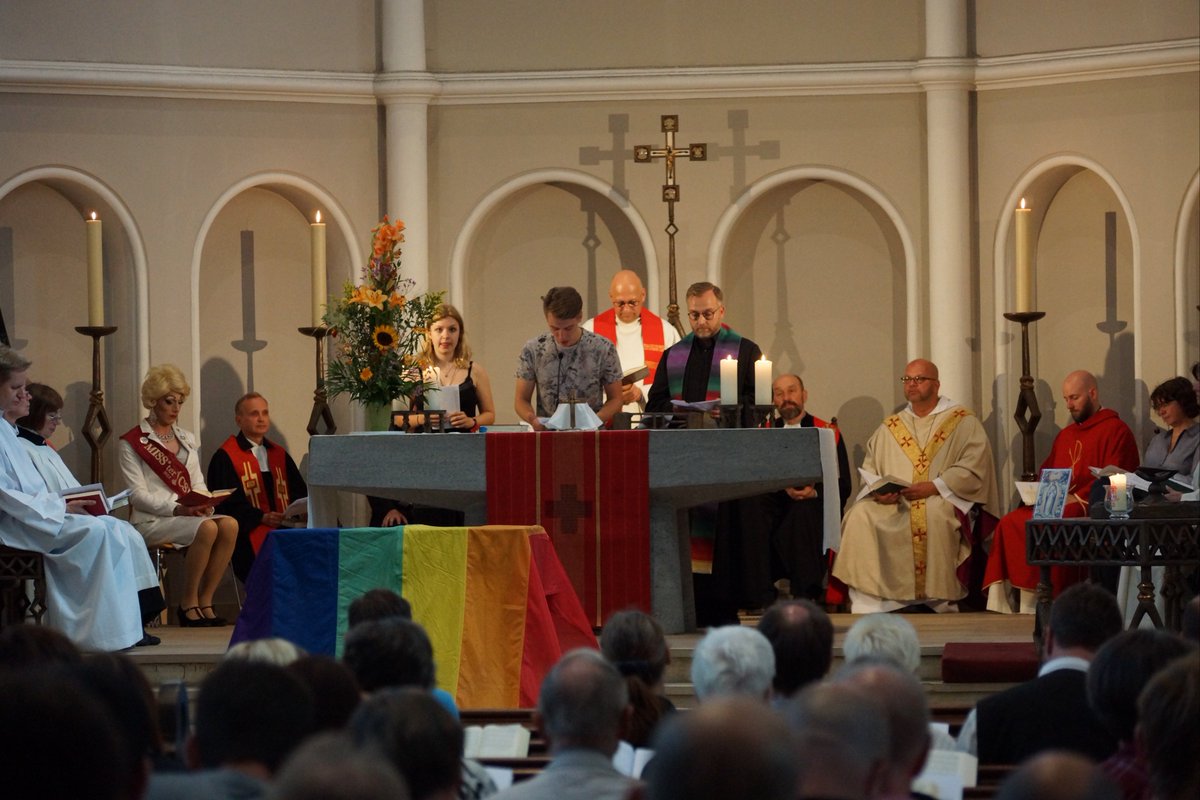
{"x": 1024, "y": 259}
{"x": 1120, "y": 496}
{"x": 95, "y": 271}
{"x": 729, "y": 381}
{"x": 762, "y": 382}
{"x": 320, "y": 293}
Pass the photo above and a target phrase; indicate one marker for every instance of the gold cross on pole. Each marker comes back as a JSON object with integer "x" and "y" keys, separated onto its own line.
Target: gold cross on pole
{"x": 645, "y": 154}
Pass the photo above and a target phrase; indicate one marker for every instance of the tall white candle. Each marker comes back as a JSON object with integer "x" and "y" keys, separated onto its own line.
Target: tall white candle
{"x": 1024, "y": 258}
{"x": 320, "y": 293}
{"x": 1120, "y": 497}
{"x": 762, "y": 382}
{"x": 729, "y": 382}
{"x": 95, "y": 271}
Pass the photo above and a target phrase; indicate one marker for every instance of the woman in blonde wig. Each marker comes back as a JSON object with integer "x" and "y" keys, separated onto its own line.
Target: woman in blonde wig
{"x": 161, "y": 464}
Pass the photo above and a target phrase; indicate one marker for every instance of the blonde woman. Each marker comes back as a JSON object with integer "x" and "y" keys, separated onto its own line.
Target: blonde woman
{"x": 449, "y": 364}
{"x": 161, "y": 464}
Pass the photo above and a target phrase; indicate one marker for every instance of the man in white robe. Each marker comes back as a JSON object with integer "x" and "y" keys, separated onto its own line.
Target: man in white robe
{"x": 904, "y": 548}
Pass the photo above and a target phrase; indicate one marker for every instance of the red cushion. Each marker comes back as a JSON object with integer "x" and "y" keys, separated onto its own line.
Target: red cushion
{"x": 989, "y": 662}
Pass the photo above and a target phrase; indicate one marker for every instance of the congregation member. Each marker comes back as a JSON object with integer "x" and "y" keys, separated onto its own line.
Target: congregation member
{"x": 1177, "y": 446}
{"x": 641, "y": 336}
{"x": 336, "y": 693}
{"x": 161, "y": 465}
{"x": 567, "y": 362}
{"x": 885, "y": 636}
{"x": 1118, "y": 674}
{"x": 1096, "y": 437}
{"x": 1057, "y": 775}
{"x": 419, "y": 737}
{"x": 1051, "y": 711}
{"x": 733, "y": 660}
{"x": 264, "y": 478}
{"x": 329, "y": 766}
{"x": 634, "y": 643}
{"x": 35, "y": 430}
{"x": 909, "y": 547}
{"x": 841, "y": 742}
{"x": 250, "y": 716}
{"x": 732, "y": 747}
{"x": 582, "y": 707}
{"x": 1167, "y": 731}
{"x": 101, "y": 586}
{"x": 801, "y": 637}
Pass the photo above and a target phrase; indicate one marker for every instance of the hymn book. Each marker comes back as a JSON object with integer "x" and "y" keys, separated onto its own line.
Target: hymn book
{"x": 98, "y": 503}
{"x": 634, "y": 375}
{"x": 496, "y": 741}
{"x": 198, "y": 498}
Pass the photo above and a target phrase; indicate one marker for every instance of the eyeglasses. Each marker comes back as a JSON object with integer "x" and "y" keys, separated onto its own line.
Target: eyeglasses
{"x": 1158, "y": 407}
{"x": 707, "y": 313}
{"x": 54, "y": 416}
{"x": 623, "y": 303}
{"x": 917, "y": 379}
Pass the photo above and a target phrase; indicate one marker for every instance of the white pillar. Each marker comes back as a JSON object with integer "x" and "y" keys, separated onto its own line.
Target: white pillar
{"x": 406, "y": 89}
{"x": 947, "y": 75}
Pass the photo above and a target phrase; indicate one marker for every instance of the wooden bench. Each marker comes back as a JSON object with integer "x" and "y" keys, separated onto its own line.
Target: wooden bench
{"x": 16, "y": 567}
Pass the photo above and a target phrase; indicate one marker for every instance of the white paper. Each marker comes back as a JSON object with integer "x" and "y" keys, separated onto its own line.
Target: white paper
{"x": 496, "y": 741}
{"x": 501, "y": 776}
{"x": 585, "y": 418}
{"x": 443, "y": 398}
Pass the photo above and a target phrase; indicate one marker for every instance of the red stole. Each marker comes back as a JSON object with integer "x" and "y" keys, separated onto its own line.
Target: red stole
{"x": 605, "y": 324}
{"x": 165, "y": 464}
{"x": 246, "y": 465}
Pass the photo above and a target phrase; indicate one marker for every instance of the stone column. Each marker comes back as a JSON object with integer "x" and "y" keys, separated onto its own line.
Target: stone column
{"x": 947, "y": 74}
{"x": 405, "y": 87}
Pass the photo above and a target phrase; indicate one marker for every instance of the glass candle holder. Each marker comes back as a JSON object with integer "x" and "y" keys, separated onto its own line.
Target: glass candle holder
{"x": 1118, "y": 501}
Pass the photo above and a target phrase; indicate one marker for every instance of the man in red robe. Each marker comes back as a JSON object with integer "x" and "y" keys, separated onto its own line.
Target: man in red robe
{"x": 263, "y": 475}
{"x": 640, "y": 335}
{"x": 1097, "y": 438}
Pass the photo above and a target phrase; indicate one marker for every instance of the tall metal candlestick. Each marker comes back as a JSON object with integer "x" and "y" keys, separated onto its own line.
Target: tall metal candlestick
{"x": 1027, "y": 414}
{"x": 96, "y": 427}
{"x": 320, "y": 409}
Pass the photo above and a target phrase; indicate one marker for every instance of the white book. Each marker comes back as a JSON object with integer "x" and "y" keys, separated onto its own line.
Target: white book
{"x": 952, "y": 764}
{"x": 496, "y": 741}
{"x": 630, "y": 760}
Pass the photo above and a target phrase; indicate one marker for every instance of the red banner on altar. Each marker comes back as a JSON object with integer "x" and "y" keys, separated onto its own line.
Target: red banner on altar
{"x": 590, "y": 490}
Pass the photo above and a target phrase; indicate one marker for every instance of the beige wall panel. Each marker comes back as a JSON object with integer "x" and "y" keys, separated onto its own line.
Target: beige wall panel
{"x": 1191, "y": 286}
{"x": 469, "y": 35}
{"x": 325, "y": 35}
{"x": 1006, "y": 27}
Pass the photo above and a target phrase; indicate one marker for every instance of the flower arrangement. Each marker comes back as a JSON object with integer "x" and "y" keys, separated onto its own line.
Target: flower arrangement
{"x": 378, "y": 330}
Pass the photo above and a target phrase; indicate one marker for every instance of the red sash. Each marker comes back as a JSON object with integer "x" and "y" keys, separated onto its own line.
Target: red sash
{"x": 165, "y": 464}
{"x": 605, "y": 324}
{"x": 247, "y": 468}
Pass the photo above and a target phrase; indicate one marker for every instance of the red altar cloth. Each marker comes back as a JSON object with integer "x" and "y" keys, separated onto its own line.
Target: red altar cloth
{"x": 590, "y": 491}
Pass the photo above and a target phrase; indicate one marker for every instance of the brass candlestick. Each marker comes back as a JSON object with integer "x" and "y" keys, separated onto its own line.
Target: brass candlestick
{"x": 320, "y": 409}
{"x": 1027, "y": 414}
{"x": 96, "y": 427}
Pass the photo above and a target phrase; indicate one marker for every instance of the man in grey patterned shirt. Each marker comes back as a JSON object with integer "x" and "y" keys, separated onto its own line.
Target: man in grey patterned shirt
{"x": 566, "y": 361}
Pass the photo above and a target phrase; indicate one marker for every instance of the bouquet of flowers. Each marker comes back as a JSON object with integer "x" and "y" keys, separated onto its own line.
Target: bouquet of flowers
{"x": 378, "y": 329}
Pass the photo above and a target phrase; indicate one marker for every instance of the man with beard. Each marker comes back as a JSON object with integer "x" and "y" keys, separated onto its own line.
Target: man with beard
{"x": 905, "y": 548}
{"x": 1097, "y": 438}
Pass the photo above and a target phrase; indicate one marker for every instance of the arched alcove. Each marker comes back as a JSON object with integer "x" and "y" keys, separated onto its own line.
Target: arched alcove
{"x": 43, "y": 297}
{"x": 1187, "y": 278}
{"x": 541, "y": 229}
{"x": 252, "y": 273}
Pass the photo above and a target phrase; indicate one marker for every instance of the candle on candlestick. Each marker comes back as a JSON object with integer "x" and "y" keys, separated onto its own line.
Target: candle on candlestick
{"x": 1024, "y": 258}
{"x": 762, "y": 382}
{"x": 95, "y": 271}
{"x": 320, "y": 292}
{"x": 729, "y": 381}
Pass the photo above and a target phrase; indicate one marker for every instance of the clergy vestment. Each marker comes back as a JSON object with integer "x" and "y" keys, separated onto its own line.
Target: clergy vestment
{"x": 95, "y": 566}
{"x": 689, "y": 370}
{"x": 264, "y": 478}
{"x": 1100, "y": 440}
{"x": 641, "y": 342}
{"x": 910, "y": 552}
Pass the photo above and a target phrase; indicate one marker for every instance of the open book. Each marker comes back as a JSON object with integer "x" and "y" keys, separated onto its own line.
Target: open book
{"x": 1132, "y": 479}
{"x": 296, "y": 514}
{"x": 888, "y": 484}
{"x": 634, "y": 375}
{"x": 630, "y": 760}
{"x": 197, "y": 498}
{"x": 98, "y": 503}
{"x": 496, "y": 741}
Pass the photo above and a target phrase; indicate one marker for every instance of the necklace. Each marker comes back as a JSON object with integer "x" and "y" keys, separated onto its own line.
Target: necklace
{"x": 446, "y": 379}
{"x": 163, "y": 437}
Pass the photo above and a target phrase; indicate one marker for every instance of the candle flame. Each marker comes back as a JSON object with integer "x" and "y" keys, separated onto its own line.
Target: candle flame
{"x": 729, "y": 358}
{"x": 93, "y": 215}
{"x": 763, "y": 357}
{"x": 319, "y": 215}
{"x": 1022, "y": 202}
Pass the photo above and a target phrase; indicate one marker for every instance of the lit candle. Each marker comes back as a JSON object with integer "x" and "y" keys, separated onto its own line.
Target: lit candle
{"x": 1024, "y": 259}
{"x": 1120, "y": 492}
{"x": 95, "y": 271}
{"x": 319, "y": 291}
{"x": 729, "y": 381}
{"x": 762, "y": 382}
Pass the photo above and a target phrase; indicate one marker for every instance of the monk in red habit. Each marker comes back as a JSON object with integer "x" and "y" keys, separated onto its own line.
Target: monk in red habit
{"x": 1097, "y": 438}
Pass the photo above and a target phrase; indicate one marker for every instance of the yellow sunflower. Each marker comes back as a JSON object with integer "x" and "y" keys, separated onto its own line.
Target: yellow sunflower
{"x": 385, "y": 337}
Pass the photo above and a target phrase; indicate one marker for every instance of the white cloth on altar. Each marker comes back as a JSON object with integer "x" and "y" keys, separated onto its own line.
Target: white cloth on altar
{"x": 92, "y": 579}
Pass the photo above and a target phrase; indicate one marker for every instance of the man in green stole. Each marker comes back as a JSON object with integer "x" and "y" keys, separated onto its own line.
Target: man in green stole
{"x": 905, "y": 548}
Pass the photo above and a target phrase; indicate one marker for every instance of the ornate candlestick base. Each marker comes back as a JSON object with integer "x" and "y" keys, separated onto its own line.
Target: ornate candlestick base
{"x": 1027, "y": 414}
{"x": 96, "y": 427}
{"x": 320, "y": 409}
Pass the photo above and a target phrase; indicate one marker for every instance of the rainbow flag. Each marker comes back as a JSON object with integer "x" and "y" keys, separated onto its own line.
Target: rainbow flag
{"x": 495, "y": 601}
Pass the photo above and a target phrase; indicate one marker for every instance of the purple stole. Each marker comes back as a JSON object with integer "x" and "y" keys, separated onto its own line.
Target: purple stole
{"x": 728, "y": 344}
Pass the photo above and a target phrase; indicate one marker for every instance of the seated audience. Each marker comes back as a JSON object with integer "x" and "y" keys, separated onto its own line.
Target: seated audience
{"x": 634, "y": 643}
{"x": 24, "y": 646}
{"x": 733, "y": 660}
{"x": 733, "y": 747}
{"x": 329, "y": 767}
{"x": 1167, "y": 732}
{"x": 272, "y": 650}
{"x": 885, "y": 636}
{"x": 1119, "y": 672}
{"x": 161, "y": 465}
{"x": 841, "y": 742}
{"x": 100, "y": 583}
{"x": 1051, "y": 712}
{"x": 391, "y": 653}
{"x": 249, "y": 717}
{"x": 419, "y": 737}
{"x": 1057, "y": 775}
{"x": 801, "y": 636}
{"x": 582, "y": 708}
{"x": 336, "y": 693}
{"x": 376, "y": 604}
{"x": 263, "y": 476}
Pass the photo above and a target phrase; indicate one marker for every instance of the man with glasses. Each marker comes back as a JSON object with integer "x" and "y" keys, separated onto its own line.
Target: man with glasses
{"x": 905, "y": 548}
{"x": 640, "y": 335}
